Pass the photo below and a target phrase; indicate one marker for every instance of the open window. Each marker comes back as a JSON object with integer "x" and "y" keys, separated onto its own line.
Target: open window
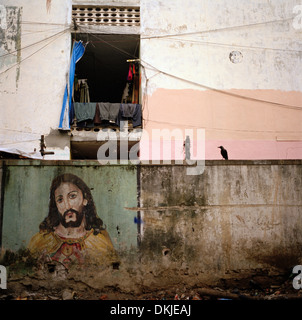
{"x": 107, "y": 77}
{"x": 108, "y": 68}
{"x": 107, "y": 74}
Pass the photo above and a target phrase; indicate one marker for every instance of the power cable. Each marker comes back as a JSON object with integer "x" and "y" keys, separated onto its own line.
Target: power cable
{"x": 232, "y": 45}
{"x": 222, "y": 129}
{"x": 142, "y": 62}
{"x": 198, "y": 84}
{"x": 16, "y": 64}
{"x": 33, "y": 44}
{"x": 216, "y": 30}
{"x": 44, "y": 23}
{"x": 109, "y": 44}
{"x": 16, "y": 142}
{"x": 225, "y": 92}
{"x": 21, "y": 131}
{"x": 26, "y": 32}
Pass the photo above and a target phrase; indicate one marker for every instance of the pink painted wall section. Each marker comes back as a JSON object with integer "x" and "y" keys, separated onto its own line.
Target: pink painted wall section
{"x": 255, "y": 150}
{"x": 237, "y": 150}
{"x": 250, "y": 124}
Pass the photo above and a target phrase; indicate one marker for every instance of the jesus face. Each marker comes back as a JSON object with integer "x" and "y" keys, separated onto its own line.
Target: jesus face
{"x": 70, "y": 203}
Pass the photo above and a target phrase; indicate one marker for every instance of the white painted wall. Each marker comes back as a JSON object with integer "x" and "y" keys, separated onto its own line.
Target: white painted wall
{"x": 190, "y": 82}
{"x": 192, "y": 39}
{"x": 180, "y": 39}
{"x": 31, "y": 91}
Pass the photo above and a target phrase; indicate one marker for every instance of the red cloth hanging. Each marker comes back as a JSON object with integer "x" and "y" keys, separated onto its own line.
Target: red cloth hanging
{"x": 130, "y": 74}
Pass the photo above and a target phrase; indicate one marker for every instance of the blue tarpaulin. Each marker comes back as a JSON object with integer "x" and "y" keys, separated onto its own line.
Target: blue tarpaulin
{"x": 77, "y": 53}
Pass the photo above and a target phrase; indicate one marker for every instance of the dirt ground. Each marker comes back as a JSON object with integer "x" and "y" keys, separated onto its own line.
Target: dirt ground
{"x": 256, "y": 288}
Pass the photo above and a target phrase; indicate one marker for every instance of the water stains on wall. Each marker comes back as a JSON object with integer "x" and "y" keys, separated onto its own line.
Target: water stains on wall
{"x": 10, "y": 44}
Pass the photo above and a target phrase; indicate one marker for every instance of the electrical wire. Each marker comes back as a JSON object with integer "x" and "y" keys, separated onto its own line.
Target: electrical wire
{"x": 170, "y": 37}
{"x": 58, "y": 35}
{"x": 144, "y": 64}
{"x": 87, "y": 31}
{"x": 232, "y": 45}
{"x": 44, "y": 23}
{"x": 188, "y": 33}
{"x": 199, "y": 84}
{"x": 33, "y": 44}
{"x": 34, "y": 32}
{"x": 166, "y": 73}
{"x": 202, "y": 31}
{"x": 216, "y": 29}
{"x": 21, "y": 131}
{"x": 222, "y": 129}
{"x": 118, "y": 41}
{"x": 226, "y": 92}
{"x": 53, "y": 37}
{"x": 16, "y": 142}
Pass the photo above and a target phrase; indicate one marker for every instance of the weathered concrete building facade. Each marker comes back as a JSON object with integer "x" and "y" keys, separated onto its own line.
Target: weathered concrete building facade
{"x": 228, "y": 69}
{"x": 35, "y": 53}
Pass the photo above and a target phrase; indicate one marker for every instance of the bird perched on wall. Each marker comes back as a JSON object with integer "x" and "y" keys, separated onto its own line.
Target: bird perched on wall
{"x": 223, "y": 152}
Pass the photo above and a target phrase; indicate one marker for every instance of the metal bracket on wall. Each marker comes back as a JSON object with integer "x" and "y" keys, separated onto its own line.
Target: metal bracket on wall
{"x": 43, "y": 146}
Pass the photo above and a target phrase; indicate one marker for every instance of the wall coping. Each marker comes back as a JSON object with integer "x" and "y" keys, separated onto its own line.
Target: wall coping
{"x": 76, "y": 163}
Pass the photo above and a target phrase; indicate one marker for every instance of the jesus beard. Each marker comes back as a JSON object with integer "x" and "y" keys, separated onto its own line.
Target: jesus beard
{"x": 72, "y": 224}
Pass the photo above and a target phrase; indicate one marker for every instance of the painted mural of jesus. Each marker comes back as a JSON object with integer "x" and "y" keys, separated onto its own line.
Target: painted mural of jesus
{"x": 72, "y": 231}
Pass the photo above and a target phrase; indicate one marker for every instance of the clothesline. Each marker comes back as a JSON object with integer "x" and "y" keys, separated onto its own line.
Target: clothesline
{"x": 95, "y": 113}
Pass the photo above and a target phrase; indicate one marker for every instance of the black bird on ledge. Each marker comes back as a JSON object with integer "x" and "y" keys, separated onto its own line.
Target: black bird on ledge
{"x": 223, "y": 152}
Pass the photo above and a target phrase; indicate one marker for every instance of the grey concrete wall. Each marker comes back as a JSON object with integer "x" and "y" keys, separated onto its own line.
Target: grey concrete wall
{"x": 236, "y": 218}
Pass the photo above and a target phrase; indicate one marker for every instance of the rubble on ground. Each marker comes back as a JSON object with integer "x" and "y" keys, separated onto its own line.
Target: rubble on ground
{"x": 251, "y": 290}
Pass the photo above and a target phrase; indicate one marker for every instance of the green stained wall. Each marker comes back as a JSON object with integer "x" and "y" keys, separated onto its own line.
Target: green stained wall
{"x": 26, "y": 197}
{"x": 236, "y": 220}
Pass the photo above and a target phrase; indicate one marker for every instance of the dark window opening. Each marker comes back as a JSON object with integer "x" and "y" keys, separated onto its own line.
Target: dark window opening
{"x": 108, "y": 72}
{"x": 104, "y": 65}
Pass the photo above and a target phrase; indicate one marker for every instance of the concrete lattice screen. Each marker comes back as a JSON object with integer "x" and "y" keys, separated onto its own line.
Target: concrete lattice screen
{"x": 112, "y": 16}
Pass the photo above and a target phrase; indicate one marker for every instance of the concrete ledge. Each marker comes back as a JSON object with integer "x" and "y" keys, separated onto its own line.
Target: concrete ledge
{"x": 28, "y": 162}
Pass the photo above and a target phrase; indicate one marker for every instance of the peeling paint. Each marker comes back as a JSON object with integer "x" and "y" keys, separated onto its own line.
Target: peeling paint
{"x": 54, "y": 139}
{"x": 10, "y": 43}
{"x": 3, "y": 22}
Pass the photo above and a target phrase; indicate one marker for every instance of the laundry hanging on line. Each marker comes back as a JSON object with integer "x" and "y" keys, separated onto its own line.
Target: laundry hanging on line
{"x": 131, "y": 90}
{"x": 109, "y": 111}
{"x": 130, "y": 111}
{"x": 81, "y": 90}
{"x": 84, "y": 111}
{"x": 98, "y": 112}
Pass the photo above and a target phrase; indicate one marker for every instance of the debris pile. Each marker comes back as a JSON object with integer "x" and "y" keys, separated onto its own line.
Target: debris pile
{"x": 253, "y": 291}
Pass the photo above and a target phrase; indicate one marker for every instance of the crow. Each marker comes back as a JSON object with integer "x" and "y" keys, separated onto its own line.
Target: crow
{"x": 223, "y": 152}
